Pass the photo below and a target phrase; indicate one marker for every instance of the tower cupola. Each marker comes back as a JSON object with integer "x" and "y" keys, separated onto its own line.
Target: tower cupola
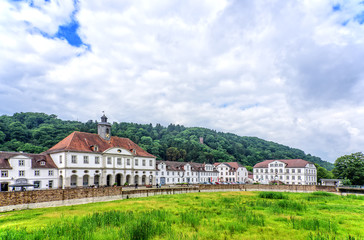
{"x": 104, "y": 128}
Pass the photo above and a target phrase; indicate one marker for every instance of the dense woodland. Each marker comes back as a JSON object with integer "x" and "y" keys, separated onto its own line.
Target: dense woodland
{"x": 36, "y": 132}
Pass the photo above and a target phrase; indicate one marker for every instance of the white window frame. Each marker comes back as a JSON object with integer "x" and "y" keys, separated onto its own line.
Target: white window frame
{"x": 4, "y": 173}
{"x": 74, "y": 159}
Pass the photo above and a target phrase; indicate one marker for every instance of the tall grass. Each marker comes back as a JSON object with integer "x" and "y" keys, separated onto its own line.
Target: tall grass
{"x": 127, "y": 225}
{"x": 273, "y": 195}
{"x": 315, "y": 224}
{"x": 212, "y": 216}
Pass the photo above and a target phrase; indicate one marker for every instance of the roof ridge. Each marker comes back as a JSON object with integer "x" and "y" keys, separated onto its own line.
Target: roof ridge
{"x": 73, "y": 135}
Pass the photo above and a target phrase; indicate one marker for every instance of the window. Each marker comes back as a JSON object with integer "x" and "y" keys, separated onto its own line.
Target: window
{"x": 4, "y": 173}
{"x": 119, "y": 161}
{"x": 128, "y": 162}
{"x": 293, "y": 170}
{"x": 97, "y": 160}
{"x": 299, "y": 170}
{"x": 74, "y": 159}
{"x": 136, "y": 162}
{"x": 42, "y": 163}
{"x": 36, "y": 184}
{"x": 143, "y": 162}
{"x": 21, "y": 173}
{"x": 85, "y": 159}
{"x": 150, "y": 163}
{"x": 287, "y": 177}
{"x": 50, "y": 173}
{"x": 287, "y": 170}
{"x": 50, "y": 183}
{"x": 21, "y": 162}
{"x": 281, "y": 170}
{"x": 36, "y": 172}
{"x": 293, "y": 178}
{"x": 108, "y": 160}
{"x": 60, "y": 159}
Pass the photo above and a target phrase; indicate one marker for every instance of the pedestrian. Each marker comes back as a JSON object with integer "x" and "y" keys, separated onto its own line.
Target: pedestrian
{"x": 136, "y": 185}
{"x": 156, "y": 185}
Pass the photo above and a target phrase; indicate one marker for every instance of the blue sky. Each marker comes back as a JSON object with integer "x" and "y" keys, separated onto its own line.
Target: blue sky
{"x": 286, "y": 71}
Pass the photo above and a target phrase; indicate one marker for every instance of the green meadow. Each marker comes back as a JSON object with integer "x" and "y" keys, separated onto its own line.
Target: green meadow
{"x": 222, "y": 215}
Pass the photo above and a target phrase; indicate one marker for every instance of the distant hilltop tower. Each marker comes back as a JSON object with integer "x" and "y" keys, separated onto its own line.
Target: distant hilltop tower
{"x": 201, "y": 140}
{"x": 104, "y": 128}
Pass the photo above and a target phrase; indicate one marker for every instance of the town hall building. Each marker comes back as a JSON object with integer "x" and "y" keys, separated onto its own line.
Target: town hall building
{"x": 85, "y": 159}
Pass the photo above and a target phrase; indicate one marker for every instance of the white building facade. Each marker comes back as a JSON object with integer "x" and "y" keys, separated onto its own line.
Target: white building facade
{"x": 23, "y": 171}
{"x": 231, "y": 172}
{"x": 287, "y": 171}
{"x": 86, "y": 159}
{"x": 169, "y": 172}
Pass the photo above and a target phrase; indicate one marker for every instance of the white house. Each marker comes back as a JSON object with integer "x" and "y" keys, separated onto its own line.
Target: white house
{"x": 231, "y": 172}
{"x": 24, "y": 171}
{"x": 170, "y": 172}
{"x": 86, "y": 159}
{"x": 288, "y": 171}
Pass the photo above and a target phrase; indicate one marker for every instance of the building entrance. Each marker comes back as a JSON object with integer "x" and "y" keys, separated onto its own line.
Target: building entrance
{"x": 4, "y": 187}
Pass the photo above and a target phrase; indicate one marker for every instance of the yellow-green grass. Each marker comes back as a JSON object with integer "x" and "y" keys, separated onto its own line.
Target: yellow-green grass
{"x": 223, "y": 215}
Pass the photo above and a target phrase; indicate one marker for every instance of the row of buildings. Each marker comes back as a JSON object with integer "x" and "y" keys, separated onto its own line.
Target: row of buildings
{"x": 86, "y": 159}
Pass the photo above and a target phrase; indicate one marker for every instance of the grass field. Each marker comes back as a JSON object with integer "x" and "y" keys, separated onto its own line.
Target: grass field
{"x": 224, "y": 215}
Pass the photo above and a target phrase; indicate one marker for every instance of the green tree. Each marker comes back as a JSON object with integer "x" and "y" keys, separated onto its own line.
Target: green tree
{"x": 323, "y": 173}
{"x": 350, "y": 167}
{"x": 172, "y": 154}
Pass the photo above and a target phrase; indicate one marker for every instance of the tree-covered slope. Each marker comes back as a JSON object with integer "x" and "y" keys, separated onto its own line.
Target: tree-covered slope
{"x": 36, "y": 132}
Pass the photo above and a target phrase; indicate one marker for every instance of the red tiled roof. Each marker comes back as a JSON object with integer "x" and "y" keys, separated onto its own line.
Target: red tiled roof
{"x": 235, "y": 165}
{"x": 36, "y": 160}
{"x": 84, "y": 142}
{"x": 290, "y": 163}
{"x": 173, "y": 166}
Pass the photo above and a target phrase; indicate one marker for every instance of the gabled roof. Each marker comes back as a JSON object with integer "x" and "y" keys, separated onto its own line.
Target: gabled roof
{"x": 173, "y": 166}
{"x": 235, "y": 165}
{"x": 36, "y": 160}
{"x": 86, "y": 142}
{"x": 179, "y": 166}
{"x": 290, "y": 163}
{"x": 232, "y": 165}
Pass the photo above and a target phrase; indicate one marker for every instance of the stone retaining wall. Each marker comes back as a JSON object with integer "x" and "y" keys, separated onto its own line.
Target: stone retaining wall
{"x": 63, "y": 197}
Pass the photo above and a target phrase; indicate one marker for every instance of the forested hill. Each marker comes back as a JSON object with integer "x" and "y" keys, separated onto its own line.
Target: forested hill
{"x": 36, "y": 132}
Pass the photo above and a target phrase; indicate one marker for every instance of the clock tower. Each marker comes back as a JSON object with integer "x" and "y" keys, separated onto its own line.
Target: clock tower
{"x": 104, "y": 128}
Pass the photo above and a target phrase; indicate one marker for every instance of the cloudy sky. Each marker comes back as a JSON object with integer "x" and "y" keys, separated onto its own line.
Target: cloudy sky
{"x": 285, "y": 71}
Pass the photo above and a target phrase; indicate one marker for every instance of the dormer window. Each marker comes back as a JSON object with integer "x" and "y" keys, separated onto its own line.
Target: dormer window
{"x": 42, "y": 163}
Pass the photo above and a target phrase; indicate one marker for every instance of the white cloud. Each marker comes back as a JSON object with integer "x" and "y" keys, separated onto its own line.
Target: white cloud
{"x": 284, "y": 71}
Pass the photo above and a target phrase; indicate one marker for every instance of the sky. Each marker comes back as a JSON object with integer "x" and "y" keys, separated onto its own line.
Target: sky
{"x": 291, "y": 72}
